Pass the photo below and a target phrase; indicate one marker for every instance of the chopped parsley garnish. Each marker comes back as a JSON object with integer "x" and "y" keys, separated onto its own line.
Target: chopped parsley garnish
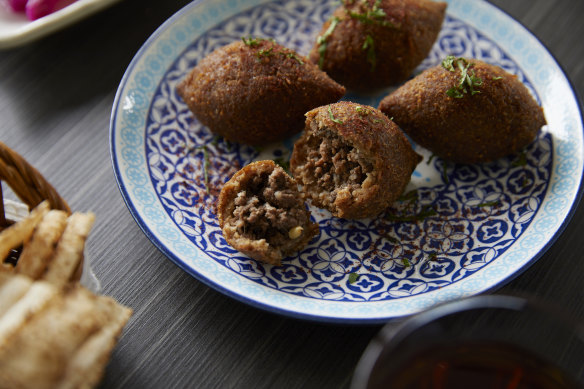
{"x": 495, "y": 203}
{"x": 353, "y": 277}
{"x": 321, "y": 40}
{"x": 520, "y": 161}
{"x": 426, "y": 212}
{"x": 390, "y": 239}
{"x": 282, "y": 163}
{"x": 251, "y": 42}
{"x": 431, "y": 158}
{"x": 373, "y": 15}
{"x": 330, "y": 111}
{"x": 468, "y": 80}
{"x": 362, "y": 110}
{"x": 294, "y": 57}
{"x": 369, "y": 46}
{"x": 265, "y": 53}
{"x": 217, "y": 139}
{"x": 206, "y": 166}
{"x": 432, "y": 257}
{"x": 270, "y": 52}
{"x": 410, "y": 196}
{"x": 445, "y": 173}
{"x": 406, "y": 263}
{"x": 448, "y": 63}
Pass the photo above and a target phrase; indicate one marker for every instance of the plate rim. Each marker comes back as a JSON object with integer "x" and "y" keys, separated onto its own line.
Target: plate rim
{"x": 36, "y": 29}
{"x": 580, "y": 190}
{"x": 273, "y": 308}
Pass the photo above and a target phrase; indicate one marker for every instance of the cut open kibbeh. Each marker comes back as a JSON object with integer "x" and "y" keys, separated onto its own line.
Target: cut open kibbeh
{"x": 262, "y": 213}
{"x": 352, "y": 160}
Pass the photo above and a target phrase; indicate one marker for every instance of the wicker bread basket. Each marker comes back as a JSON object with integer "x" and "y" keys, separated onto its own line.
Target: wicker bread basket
{"x": 27, "y": 182}
{"x": 31, "y": 188}
{"x": 56, "y": 330}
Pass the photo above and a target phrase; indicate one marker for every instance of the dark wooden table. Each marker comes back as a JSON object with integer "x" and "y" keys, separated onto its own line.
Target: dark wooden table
{"x": 56, "y": 96}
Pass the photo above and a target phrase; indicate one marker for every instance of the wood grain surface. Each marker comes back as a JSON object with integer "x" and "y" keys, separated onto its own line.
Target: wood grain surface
{"x": 56, "y": 97}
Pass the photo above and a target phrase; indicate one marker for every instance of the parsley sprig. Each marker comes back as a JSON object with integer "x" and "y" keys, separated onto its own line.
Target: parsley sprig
{"x": 369, "y": 45}
{"x": 251, "y": 42}
{"x": 362, "y": 110}
{"x": 426, "y": 212}
{"x": 468, "y": 80}
{"x": 283, "y": 163}
{"x": 321, "y": 41}
{"x": 269, "y": 51}
{"x": 206, "y": 164}
{"x": 265, "y": 53}
{"x": 205, "y": 158}
{"x": 332, "y": 117}
{"x": 372, "y": 15}
{"x": 293, "y": 56}
{"x": 494, "y": 203}
{"x": 521, "y": 160}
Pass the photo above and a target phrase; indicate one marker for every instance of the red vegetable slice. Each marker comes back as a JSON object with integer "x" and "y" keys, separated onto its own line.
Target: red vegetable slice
{"x": 36, "y": 9}
{"x": 17, "y": 5}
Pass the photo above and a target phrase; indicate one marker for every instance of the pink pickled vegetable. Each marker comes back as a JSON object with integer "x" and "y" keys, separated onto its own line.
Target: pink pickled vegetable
{"x": 17, "y": 5}
{"x": 36, "y": 9}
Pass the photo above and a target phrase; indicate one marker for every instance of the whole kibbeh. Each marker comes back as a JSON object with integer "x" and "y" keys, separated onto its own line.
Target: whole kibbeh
{"x": 372, "y": 44}
{"x": 352, "y": 160}
{"x": 256, "y": 91}
{"x": 262, "y": 213}
{"x": 466, "y": 111}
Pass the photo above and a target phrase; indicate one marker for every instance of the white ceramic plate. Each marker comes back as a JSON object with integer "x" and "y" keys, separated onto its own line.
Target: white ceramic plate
{"x": 491, "y": 221}
{"x": 16, "y": 29}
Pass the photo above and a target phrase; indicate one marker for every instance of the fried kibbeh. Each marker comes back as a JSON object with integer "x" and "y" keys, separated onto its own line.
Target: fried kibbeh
{"x": 466, "y": 111}
{"x": 255, "y": 91}
{"x": 371, "y": 44}
{"x": 352, "y": 160}
{"x": 262, "y": 213}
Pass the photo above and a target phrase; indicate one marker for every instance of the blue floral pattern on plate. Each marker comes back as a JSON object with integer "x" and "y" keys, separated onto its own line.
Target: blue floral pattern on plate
{"x": 458, "y": 230}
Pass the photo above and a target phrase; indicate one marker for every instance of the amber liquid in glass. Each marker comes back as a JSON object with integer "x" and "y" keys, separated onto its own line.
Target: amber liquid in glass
{"x": 478, "y": 366}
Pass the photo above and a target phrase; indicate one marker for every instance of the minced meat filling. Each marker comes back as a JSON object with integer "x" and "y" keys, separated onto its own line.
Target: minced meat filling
{"x": 268, "y": 208}
{"x": 334, "y": 164}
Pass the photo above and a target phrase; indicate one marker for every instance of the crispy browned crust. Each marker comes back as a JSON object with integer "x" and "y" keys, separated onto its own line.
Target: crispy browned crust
{"x": 378, "y": 140}
{"x": 500, "y": 120}
{"x": 258, "y": 249}
{"x": 399, "y": 48}
{"x": 256, "y": 94}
